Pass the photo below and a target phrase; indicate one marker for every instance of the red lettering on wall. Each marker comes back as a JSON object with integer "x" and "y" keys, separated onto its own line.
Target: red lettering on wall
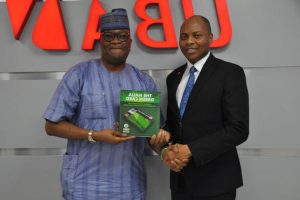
{"x": 188, "y": 9}
{"x": 49, "y": 31}
{"x": 18, "y": 12}
{"x": 91, "y": 32}
{"x": 223, "y": 19}
{"x": 224, "y": 24}
{"x": 165, "y": 20}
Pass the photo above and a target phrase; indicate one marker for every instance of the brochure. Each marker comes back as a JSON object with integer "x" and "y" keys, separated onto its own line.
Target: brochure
{"x": 139, "y": 113}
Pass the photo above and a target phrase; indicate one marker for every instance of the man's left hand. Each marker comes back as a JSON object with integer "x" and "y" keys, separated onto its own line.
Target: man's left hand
{"x": 158, "y": 140}
{"x": 161, "y": 138}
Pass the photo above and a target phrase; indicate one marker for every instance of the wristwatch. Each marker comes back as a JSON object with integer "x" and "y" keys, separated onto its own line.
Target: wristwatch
{"x": 90, "y": 138}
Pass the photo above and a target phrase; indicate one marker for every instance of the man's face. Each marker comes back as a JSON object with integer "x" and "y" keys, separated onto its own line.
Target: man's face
{"x": 195, "y": 39}
{"x": 115, "y": 46}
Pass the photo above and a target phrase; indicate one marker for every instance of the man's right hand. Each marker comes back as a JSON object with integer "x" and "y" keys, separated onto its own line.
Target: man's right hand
{"x": 170, "y": 158}
{"x": 111, "y": 136}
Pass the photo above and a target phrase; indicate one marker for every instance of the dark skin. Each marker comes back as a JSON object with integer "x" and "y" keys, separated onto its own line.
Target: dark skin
{"x": 113, "y": 56}
{"x": 195, "y": 39}
{"x": 115, "y": 52}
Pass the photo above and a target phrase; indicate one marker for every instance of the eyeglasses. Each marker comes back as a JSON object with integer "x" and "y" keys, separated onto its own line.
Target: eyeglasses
{"x": 109, "y": 36}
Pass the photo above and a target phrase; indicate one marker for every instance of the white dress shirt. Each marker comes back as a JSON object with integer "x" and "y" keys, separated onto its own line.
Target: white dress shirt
{"x": 198, "y": 65}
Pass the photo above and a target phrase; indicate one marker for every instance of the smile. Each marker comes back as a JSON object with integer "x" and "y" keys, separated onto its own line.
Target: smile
{"x": 191, "y": 50}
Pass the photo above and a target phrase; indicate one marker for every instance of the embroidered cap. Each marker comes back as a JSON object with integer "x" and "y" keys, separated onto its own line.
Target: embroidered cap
{"x": 116, "y": 19}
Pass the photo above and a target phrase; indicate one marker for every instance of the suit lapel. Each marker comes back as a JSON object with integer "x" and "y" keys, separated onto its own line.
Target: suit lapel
{"x": 206, "y": 72}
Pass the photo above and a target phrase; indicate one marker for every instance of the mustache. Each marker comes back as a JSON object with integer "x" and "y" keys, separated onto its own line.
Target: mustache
{"x": 118, "y": 46}
{"x": 191, "y": 47}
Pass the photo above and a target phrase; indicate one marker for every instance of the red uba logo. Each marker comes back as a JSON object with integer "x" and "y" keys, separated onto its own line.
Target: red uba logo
{"x": 49, "y": 32}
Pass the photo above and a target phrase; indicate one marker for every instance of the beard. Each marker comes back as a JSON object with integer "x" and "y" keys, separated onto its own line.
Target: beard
{"x": 115, "y": 59}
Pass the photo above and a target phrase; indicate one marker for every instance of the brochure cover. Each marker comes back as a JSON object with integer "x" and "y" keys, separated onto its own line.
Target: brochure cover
{"x": 139, "y": 112}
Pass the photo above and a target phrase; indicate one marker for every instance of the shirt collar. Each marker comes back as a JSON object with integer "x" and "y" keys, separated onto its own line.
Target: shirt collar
{"x": 199, "y": 64}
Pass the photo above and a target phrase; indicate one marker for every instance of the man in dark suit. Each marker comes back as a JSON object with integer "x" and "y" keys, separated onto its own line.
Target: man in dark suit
{"x": 207, "y": 116}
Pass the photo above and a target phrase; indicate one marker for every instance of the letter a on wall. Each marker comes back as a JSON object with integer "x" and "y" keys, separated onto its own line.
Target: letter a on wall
{"x": 19, "y": 11}
{"x": 49, "y": 32}
{"x": 92, "y": 34}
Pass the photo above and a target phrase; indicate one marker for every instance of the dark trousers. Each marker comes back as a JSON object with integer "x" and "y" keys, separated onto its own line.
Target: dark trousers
{"x": 183, "y": 194}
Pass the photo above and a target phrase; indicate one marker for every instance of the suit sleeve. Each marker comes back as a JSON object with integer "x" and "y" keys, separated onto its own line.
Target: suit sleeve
{"x": 235, "y": 114}
{"x": 167, "y": 126}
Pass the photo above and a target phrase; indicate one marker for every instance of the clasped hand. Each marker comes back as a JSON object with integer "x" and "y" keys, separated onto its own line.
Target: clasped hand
{"x": 176, "y": 156}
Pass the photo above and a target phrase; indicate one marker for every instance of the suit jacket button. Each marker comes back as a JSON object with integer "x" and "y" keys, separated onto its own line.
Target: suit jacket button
{"x": 180, "y": 124}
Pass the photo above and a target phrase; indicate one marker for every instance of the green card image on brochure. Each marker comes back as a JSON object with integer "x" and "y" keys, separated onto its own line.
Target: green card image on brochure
{"x": 139, "y": 112}
{"x": 141, "y": 120}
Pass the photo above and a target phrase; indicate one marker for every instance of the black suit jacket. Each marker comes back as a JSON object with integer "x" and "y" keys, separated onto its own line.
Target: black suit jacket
{"x": 215, "y": 121}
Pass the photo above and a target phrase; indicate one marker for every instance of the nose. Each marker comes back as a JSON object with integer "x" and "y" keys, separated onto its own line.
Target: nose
{"x": 190, "y": 40}
{"x": 116, "y": 40}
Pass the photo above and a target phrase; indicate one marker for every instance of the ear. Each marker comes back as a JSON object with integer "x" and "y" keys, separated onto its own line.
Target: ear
{"x": 101, "y": 42}
{"x": 211, "y": 38}
{"x": 129, "y": 42}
